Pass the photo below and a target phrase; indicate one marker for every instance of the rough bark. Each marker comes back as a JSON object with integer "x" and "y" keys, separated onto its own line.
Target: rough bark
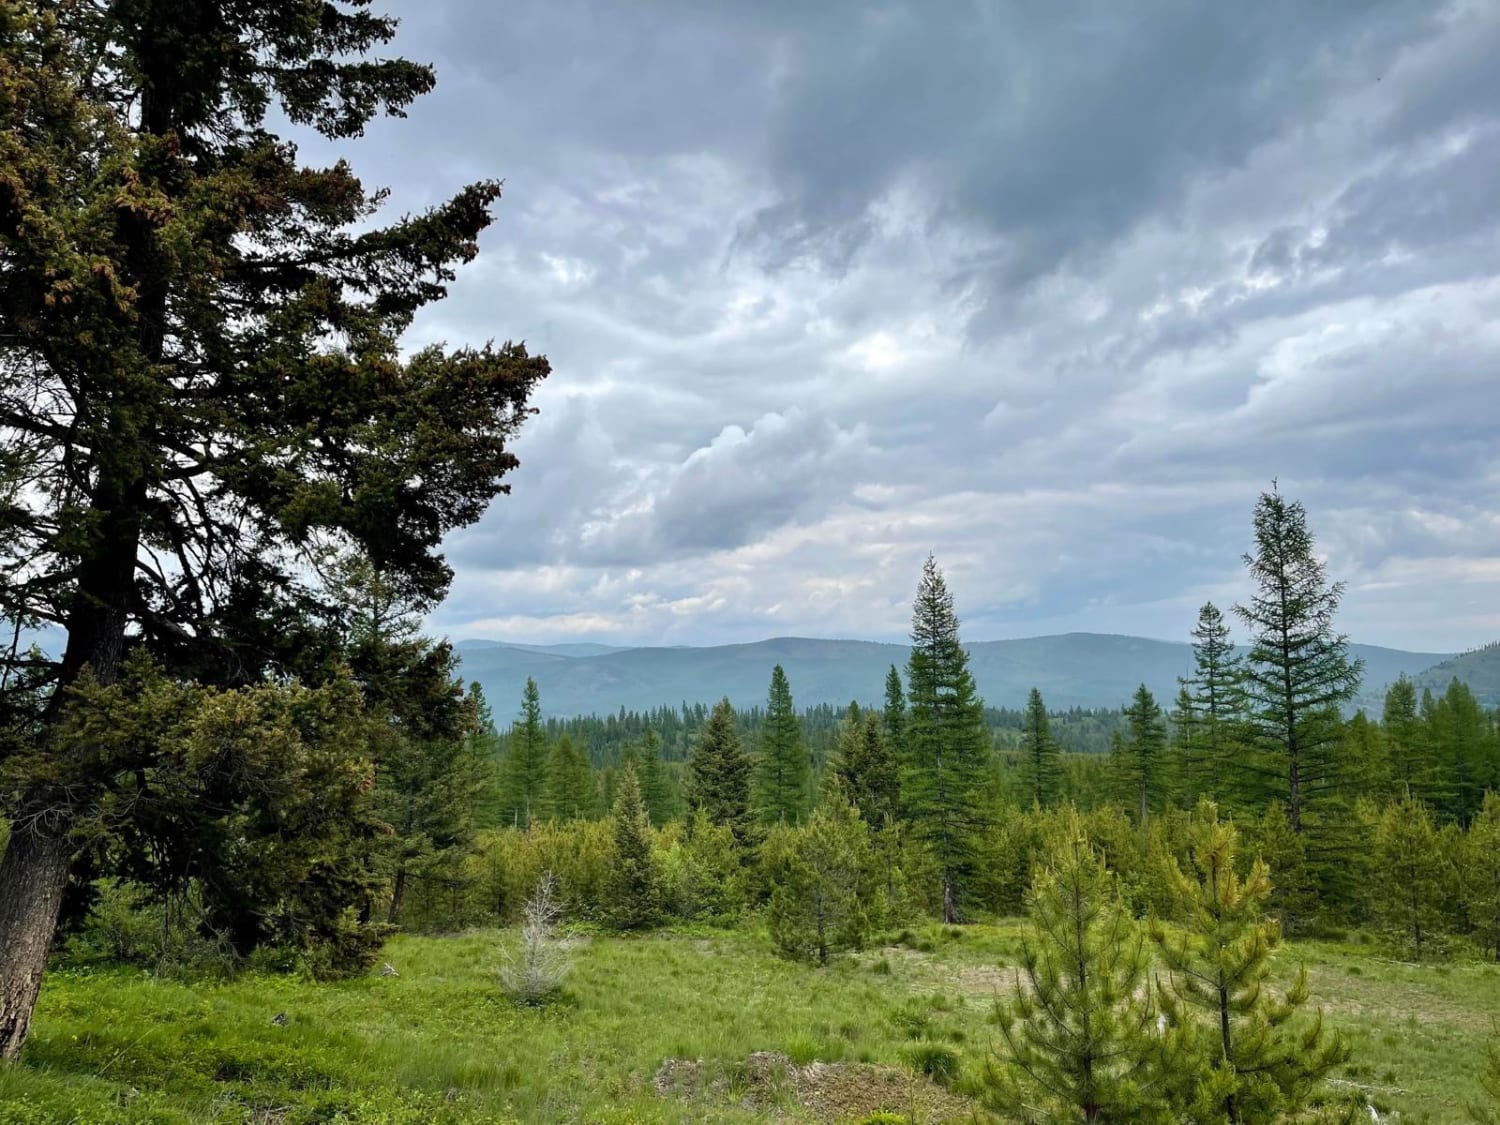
{"x": 33, "y": 876}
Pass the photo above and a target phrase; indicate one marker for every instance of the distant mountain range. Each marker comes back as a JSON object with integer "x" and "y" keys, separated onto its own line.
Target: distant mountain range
{"x": 1072, "y": 670}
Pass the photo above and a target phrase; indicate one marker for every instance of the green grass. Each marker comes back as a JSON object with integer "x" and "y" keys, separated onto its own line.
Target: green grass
{"x": 440, "y": 1043}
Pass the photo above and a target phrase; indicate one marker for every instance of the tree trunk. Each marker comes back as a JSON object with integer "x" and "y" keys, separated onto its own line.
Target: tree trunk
{"x": 33, "y": 876}
{"x": 398, "y": 892}
{"x": 950, "y": 904}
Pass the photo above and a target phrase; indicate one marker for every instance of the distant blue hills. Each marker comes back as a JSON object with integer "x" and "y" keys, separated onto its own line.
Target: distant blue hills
{"x": 1071, "y": 670}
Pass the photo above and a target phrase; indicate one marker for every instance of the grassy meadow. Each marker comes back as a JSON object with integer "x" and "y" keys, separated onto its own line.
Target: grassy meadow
{"x": 440, "y": 1043}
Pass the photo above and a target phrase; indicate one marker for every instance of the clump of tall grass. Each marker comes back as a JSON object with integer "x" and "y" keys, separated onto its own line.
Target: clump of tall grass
{"x": 534, "y": 973}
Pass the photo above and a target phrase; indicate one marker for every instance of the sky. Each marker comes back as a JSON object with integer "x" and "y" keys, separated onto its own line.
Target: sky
{"x": 1051, "y": 290}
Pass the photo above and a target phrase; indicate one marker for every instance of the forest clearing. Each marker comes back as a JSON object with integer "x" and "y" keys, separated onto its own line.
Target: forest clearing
{"x": 441, "y": 1043}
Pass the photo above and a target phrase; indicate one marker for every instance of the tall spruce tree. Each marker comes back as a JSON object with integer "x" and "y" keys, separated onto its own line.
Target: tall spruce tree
{"x": 1216, "y": 693}
{"x": 783, "y": 770}
{"x": 1142, "y": 761}
{"x": 1298, "y": 672}
{"x": 200, "y": 354}
{"x": 719, "y": 773}
{"x": 1080, "y": 1033}
{"x": 947, "y": 744}
{"x": 523, "y": 773}
{"x": 633, "y": 888}
{"x": 1041, "y": 757}
{"x": 893, "y": 717}
{"x": 1262, "y": 1065}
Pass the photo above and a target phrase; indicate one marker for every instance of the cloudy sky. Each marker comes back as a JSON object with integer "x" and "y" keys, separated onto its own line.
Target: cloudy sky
{"x": 1051, "y": 289}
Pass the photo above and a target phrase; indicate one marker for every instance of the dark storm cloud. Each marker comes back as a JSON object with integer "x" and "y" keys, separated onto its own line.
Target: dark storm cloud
{"x": 1049, "y": 289}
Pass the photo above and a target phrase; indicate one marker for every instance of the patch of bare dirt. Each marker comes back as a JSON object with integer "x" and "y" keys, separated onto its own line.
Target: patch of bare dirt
{"x": 768, "y": 1081}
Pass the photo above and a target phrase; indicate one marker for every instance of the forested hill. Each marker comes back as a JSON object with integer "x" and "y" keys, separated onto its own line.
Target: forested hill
{"x": 1480, "y": 669}
{"x": 1072, "y": 670}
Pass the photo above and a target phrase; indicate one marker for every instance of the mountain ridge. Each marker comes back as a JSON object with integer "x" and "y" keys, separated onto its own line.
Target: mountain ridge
{"x": 1079, "y": 669}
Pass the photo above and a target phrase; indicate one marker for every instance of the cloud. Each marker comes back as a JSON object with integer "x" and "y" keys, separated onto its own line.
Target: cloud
{"x": 1051, "y": 290}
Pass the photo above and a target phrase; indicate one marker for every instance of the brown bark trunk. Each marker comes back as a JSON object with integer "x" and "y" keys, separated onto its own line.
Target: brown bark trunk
{"x": 398, "y": 892}
{"x": 33, "y": 876}
{"x": 950, "y": 905}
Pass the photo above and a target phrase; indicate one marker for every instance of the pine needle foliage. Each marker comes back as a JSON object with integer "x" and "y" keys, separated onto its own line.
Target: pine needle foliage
{"x": 1260, "y": 1064}
{"x": 1081, "y": 1040}
{"x": 821, "y": 878}
{"x": 1487, "y": 1112}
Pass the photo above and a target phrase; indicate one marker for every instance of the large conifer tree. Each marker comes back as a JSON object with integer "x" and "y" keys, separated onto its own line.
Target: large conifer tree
{"x": 1413, "y": 767}
{"x": 199, "y": 353}
{"x": 1142, "y": 761}
{"x": 1298, "y": 672}
{"x": 866, "y": 770}
{"x": 1041, "y": 758}
{"x": 719, "y": 773}
{"x": 524, "y": 770}
{"x": 947, "y": 745}
{"x": 633, "y": 890}
{"x": 783, "y": 771}
{"x": 893, "y": 717}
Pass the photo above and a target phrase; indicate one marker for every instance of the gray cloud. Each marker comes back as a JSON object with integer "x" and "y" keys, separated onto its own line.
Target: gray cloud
{"x": 1049, "y": 290}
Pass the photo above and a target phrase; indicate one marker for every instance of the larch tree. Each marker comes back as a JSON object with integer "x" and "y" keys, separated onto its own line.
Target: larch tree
{"x": 719, "y": 773}
{"x": 656, "y": 786}
{"x": 1413, "y": 874}
{"x": 1413, "y": 767}
{"x": 947, "y": 746}
{"x": 1298, "y": 672}
{"x": 1217, "y": 704}
{"x": 784, "y": 769}
{"x": 1481, "y": 875}
{"x": 570, "y": 787}
{"x": 1041, "y": 757}
{"x": 523, "y": 773}
{"x": 1466, "y": 752}
{"x": 1261, "y": 1063}
{"x": 201, "y": 374}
